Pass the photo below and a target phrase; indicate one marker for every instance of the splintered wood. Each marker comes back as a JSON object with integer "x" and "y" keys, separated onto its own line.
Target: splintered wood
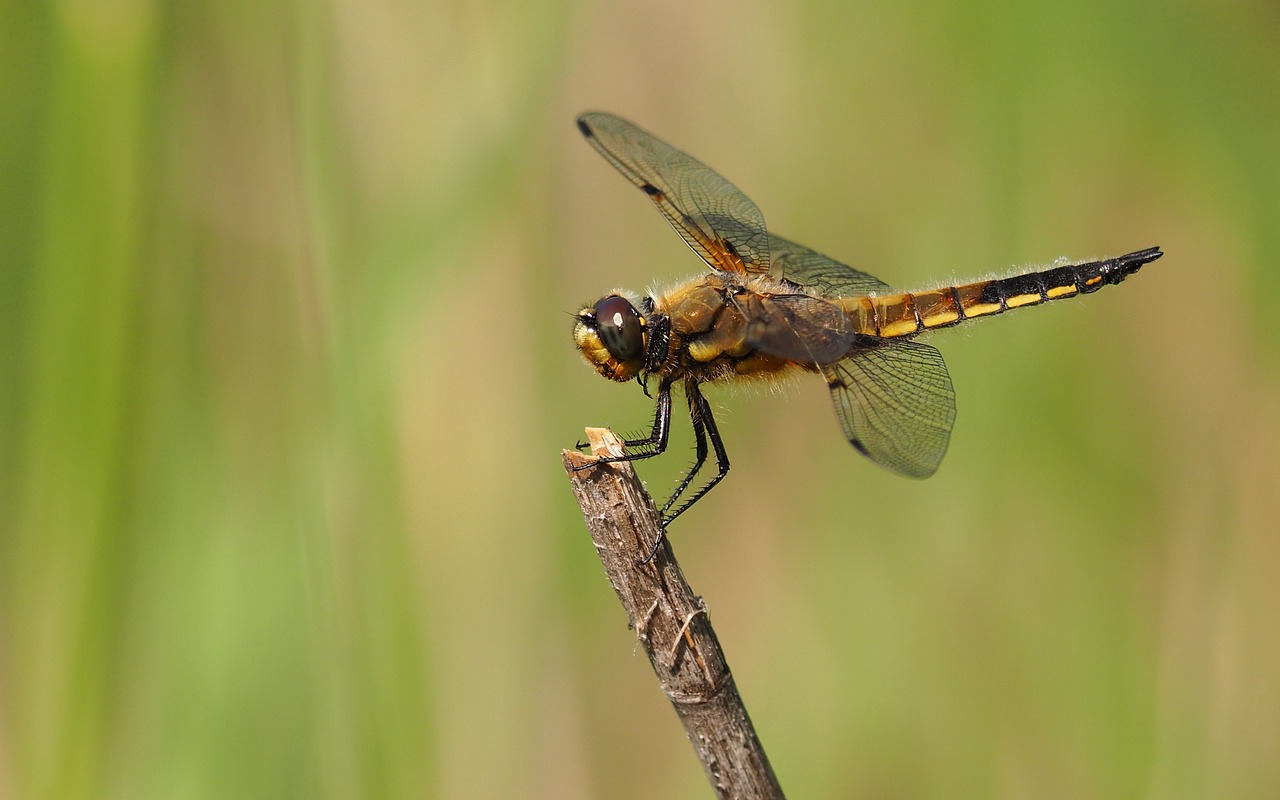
{"x": 670, "y": 621}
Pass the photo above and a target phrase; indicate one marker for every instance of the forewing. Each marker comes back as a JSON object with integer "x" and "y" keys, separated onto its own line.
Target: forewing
{"x": 719, "y": 222}
{"x": 896, "y": 405}
{"x": 823, "y": 275}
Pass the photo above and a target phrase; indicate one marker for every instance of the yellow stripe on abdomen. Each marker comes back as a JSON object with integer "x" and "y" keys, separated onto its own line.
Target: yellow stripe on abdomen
{"x": 907, "y": 314}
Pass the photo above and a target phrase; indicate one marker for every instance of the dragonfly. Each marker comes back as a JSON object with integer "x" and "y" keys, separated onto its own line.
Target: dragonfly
{"x": 769, "y": 307}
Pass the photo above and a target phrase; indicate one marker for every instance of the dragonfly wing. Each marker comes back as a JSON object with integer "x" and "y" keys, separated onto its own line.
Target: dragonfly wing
{"x": 718, "y": 221}
{"x": 896, "y": 405}
{"x": 825, "y": 276}
{"x": 798, "y": 327}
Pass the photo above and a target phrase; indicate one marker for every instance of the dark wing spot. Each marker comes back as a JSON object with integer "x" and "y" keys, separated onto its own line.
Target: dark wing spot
{"x": 860, "y": 447}
{"x": 728, "y": 246}
{"x": 653, "y": 191}
{"x": 585, "y": 128}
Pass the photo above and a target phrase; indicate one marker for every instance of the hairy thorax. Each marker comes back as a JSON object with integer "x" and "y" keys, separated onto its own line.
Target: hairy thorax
{"x": 711, "y": 329}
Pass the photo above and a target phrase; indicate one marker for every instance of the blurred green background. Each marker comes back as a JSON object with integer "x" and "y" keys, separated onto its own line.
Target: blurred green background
{"x": 285, "y": 371}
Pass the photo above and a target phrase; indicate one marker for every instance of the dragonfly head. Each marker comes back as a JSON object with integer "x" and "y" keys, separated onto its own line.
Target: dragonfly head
{"x": 612, "y": 337}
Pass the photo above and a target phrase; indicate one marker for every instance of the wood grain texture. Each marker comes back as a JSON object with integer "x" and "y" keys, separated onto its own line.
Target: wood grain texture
{"x": 670, "y": 621}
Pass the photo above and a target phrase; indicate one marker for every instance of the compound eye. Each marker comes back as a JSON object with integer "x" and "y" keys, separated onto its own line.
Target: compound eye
{"x": 620, "y": 328}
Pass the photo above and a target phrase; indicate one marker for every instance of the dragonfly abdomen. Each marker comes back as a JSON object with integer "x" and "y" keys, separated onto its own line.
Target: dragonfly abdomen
{"x": 910, "y": 313}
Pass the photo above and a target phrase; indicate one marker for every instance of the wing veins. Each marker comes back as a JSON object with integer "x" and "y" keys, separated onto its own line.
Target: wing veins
{"x": 714, "y": 218}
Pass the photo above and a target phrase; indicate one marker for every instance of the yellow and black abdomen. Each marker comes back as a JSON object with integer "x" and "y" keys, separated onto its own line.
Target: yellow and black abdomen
{"x": 908, "y": 314}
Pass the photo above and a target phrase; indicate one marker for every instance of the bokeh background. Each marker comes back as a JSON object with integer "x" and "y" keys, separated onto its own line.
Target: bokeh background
{"x": 285, "y": 372}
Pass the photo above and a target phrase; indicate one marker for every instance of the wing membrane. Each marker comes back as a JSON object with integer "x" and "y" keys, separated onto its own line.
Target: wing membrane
{"x": 799, "y": 328}
{"x": 718, "y": 221}
{"x": 826, "y": 276}
{"x": 896, "y": 405}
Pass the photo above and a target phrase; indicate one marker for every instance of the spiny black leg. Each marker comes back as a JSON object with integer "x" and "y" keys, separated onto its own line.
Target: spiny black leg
{"x": 654, "y": 443}
{"x": 657, "y": 438}
{"x": 700, "y": 438}
{"x": 701, "y": 411}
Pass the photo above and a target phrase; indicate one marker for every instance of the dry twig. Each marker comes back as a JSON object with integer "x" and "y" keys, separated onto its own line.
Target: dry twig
{"x": 670, "y": 621}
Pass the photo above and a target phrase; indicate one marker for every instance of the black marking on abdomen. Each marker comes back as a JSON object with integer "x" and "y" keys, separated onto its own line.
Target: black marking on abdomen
{"x": 991, "y": 295}
{"x": 985, "y": 298}
{"x": 1061, "y": 281}
{"x": 1021, "y": 290}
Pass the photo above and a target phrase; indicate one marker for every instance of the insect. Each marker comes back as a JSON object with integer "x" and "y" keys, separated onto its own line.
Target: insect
{"x": 770, "y": 306}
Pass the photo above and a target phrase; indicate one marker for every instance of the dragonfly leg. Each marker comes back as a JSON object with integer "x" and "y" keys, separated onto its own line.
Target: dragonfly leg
{"x": 703, "y": 422}
{"x": 700, "y": 414}
{"x": 700, "y": 439}
{"x": 653, "y": 444}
